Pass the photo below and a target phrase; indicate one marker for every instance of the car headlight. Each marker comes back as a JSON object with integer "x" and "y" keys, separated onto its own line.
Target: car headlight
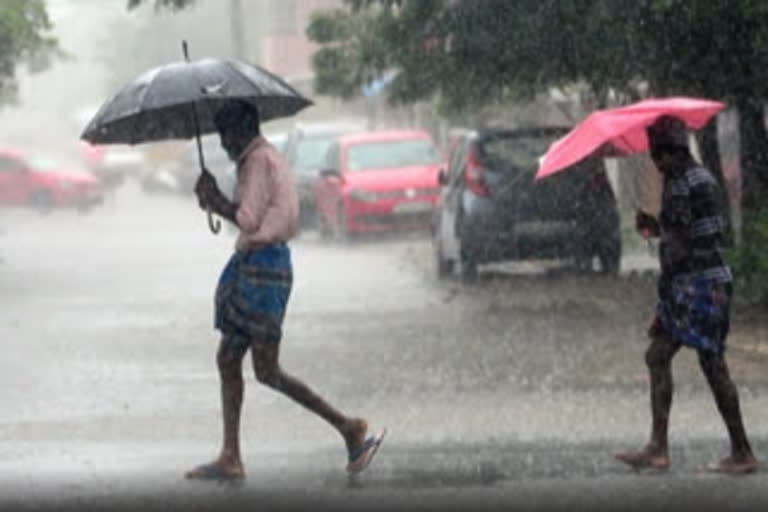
{"x": 362, "y": 195}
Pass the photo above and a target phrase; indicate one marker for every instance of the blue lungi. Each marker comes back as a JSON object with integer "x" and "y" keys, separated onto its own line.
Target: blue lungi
{"x": 252, "y": 296}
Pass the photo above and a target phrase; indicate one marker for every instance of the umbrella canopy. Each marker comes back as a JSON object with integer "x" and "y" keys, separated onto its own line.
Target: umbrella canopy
{"x": 158, "y": 105}
{"x": 621, "y": 131}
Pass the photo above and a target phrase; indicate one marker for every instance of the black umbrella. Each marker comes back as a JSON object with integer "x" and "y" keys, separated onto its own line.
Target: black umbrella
{"x": 179, "y": 100}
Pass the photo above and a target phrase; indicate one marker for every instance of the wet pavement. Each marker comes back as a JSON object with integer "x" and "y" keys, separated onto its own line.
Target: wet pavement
{"x": 509, "y": 392}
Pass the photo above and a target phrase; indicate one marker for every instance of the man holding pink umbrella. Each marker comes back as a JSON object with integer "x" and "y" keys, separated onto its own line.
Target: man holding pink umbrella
{"x": 694, "y": 293}
{"x": 694, "y": 289}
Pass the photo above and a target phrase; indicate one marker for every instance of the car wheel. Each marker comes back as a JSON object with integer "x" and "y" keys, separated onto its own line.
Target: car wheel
{"x": 307, "y": 217}
{"x": 325, "y": 229}
{"x": 609, "y": 255}
{"x": 468, "y": 267}
{"x": 42, "y": 201}
{"x": 583, "y": 258}
{"x": 444, "y": 266}
{"x": 467, "y": 264}
{"x": 340, "y": 228}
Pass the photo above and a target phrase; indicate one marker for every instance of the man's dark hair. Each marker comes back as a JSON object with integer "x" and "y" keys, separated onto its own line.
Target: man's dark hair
{"x": 668, "y": 132}
{"x": 675, "y": 150}
{"x": 239, "y": 116}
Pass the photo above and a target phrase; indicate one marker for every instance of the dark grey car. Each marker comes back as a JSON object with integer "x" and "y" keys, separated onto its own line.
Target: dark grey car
{"x": 492, "y": 210}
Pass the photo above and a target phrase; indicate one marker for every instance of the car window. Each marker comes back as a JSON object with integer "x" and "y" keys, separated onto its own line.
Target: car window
{"x": 311, "y": 151}
{"x": 9, "y": 164}
{"x": 517, "y": 153}
{"x": 332, "y": 157}
{"x": 394, "y": 153}
{"x": 43, "y": 164}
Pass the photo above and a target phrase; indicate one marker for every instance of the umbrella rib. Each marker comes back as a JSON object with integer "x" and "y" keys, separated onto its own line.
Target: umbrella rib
{"x": 141, "y": 111}
{"x": 236, "y": 72}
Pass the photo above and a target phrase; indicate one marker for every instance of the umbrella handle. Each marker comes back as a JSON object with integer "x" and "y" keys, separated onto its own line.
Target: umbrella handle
{"x": 213, "y": 224}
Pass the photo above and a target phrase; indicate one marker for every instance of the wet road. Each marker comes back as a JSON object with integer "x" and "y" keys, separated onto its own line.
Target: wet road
{"x": 509, "y": 392}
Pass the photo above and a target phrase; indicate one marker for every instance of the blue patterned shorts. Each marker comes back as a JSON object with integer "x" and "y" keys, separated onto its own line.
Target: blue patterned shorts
{"x": 252, "y": 296}
{"x": 696, "y": 313}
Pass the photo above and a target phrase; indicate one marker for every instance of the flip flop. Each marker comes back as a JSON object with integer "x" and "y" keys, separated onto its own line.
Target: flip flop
{"x": 361, "y": 457}
{"x": 731, "y": 468}
{"x": 213, "y": 472}
{"x": 641, "y": 461}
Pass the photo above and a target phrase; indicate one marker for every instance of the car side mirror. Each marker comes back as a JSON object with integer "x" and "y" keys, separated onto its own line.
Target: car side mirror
{"x": 330, "y": 173}
{"x": 442, "y": 178}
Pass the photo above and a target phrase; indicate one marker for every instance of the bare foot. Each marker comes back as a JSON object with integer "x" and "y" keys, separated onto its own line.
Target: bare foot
{"x": 217, "y": 471}
{"x": 647, "y": 458}
{"x": 734, "y": 465}
{"x": 354, "y": 435}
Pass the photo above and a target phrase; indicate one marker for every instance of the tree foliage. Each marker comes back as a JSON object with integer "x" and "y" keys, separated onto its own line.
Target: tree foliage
{"x": 24, "y": 39}
{"x": 474, "y": 53}
{"x": 174, "y": 5}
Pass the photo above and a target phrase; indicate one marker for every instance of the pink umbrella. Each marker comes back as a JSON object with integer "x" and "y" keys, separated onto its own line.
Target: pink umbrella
{"x": 621, "y": 131}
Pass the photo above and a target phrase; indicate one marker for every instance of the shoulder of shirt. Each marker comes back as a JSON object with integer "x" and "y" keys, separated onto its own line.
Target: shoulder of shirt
{"x": 260, "y": 155}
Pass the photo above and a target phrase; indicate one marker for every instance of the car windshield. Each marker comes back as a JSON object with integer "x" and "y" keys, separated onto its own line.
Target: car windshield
{"x": 311, "y": 150}
{"x": 519, "y": 152}
{"x": 396, "y": 153}
{"x": 43, "y": 164}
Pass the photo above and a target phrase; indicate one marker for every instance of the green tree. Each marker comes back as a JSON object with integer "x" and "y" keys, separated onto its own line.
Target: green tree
{"x": 174, "y": 5}
{"x": 474, "y": 53}
{"x": 24, "y": 40}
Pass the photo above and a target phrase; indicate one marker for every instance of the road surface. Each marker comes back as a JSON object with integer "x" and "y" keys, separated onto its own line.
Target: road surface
{"x": 509, "y": 392}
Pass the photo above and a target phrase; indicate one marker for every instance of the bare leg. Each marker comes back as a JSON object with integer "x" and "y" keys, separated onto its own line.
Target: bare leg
{"x": 269, "y": 373}
{"x": 727, "y": 398}
{"x": 658, "y": 357}
{"x": 229, "y": 463}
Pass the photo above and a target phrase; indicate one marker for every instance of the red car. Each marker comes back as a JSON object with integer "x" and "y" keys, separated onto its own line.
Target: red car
{"x": 42, "y": 183}
{"x": 378, "y": 181}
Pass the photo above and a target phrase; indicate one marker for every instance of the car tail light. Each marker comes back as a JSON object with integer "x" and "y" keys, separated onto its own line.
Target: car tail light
{"x": 474, "y": 176}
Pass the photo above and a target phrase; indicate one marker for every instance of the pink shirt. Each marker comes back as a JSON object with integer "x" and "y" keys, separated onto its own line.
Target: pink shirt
{"x": 265, "y": 190}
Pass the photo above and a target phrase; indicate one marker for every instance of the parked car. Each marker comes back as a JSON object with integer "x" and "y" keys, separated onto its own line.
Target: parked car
{"x": 181, "y": 176}
{"x": 492, "y": 210}
{"x": 43, "y": 183}
{"x": 305, "y": 150}
{"x": 452, "y": 139}
{"x": 378, "y": 181}
{"x": 112, "y": 163}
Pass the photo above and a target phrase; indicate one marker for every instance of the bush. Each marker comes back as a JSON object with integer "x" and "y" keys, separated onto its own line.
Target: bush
{"x": 749, "y": 262}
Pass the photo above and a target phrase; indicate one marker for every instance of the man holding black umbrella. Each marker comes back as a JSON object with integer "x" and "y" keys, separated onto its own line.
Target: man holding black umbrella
{"x": 255, "y": 286}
